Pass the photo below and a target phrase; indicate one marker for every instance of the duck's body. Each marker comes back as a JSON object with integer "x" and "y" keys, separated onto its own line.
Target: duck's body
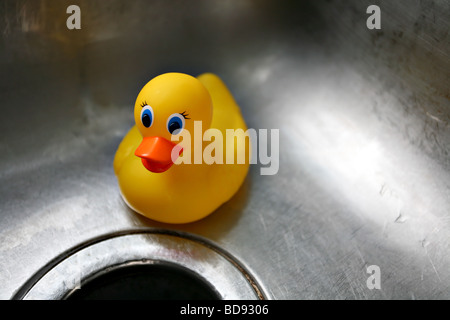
{"x": 185, "y": 192}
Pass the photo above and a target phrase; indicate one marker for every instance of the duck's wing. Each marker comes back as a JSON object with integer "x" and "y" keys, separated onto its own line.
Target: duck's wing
{"x": 126, "y": 148}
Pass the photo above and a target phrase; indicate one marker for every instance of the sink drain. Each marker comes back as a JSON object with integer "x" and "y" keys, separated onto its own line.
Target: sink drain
{"x": 143, "y": 264}
{"x": 145, "y": 281}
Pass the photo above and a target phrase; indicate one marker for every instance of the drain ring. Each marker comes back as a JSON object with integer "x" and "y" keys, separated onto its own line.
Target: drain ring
{"x": 67, "y": 272}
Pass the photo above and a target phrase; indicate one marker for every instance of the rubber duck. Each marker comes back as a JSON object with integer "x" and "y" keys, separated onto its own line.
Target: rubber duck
{"x": 150, "y": 181}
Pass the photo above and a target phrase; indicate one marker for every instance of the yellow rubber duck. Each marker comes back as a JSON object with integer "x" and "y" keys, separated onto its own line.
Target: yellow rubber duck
{"x": 150, "y": 182}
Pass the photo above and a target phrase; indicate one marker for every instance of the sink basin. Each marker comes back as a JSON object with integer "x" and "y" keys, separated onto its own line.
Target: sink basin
{"x": 364, "y": 141}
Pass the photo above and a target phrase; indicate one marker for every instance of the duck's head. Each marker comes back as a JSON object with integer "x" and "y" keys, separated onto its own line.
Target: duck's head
{"x": 165, "y": 106}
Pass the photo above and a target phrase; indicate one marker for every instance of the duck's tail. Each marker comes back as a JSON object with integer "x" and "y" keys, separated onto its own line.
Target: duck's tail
{"x": 226, "y": 112}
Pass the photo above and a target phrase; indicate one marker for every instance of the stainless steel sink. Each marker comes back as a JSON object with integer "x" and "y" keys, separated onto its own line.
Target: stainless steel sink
{"x": 364, "y": 175}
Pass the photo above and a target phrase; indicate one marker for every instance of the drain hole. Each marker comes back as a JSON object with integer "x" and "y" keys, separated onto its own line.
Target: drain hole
{"x": 146, "y": 282}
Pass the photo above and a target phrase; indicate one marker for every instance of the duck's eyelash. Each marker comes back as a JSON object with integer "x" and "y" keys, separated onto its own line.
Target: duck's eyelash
{"x": 185, "y": 115}
{"x": 143, "y": 104}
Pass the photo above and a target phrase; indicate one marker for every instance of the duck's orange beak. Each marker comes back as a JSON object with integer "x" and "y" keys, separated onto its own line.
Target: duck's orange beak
{"x": 156, "y": 153}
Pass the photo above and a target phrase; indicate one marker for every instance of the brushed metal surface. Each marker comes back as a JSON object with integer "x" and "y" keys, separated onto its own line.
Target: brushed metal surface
{"x": 363, "y": 115}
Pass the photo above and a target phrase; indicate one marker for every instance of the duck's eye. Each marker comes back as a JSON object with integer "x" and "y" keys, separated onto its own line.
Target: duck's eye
{"x": 175, "y": 123}
{"x": 147, "y": 116}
